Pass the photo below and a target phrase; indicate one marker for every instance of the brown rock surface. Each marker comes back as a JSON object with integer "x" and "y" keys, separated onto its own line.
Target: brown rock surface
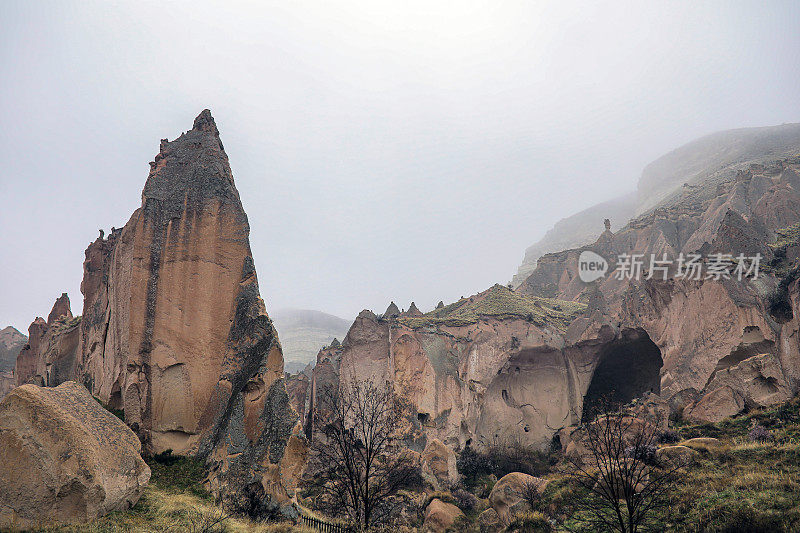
{"x": 676, "y": 455}
{"x": 53, "y": 353}
{"x": 175, "y": 332}
{"x": 439, "y": 465}
{"x": 6, "y": 383}
{"x": 439, "y": 516}
{"x": 506, "y": 493}
{"x": 64, "y": 458}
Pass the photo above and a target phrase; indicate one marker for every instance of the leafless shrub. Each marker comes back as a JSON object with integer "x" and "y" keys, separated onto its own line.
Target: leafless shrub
{"x": 360, "y": 453}
{"x": 624, "y": 482}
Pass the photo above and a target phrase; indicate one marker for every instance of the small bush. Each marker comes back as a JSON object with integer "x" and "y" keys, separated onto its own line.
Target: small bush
{"x": 465, "y": 500}
{"x": 646, "y": 453}
{"x": 760, "y": 434}
{"x": 742, "y": 519}
{"x": 531, "y": 522}
{"x": 502, "y": 459}
{"x": 668, "y": 436}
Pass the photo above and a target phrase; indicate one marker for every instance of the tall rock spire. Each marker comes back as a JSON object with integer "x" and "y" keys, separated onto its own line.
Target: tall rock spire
{"x": 176, "y": 331}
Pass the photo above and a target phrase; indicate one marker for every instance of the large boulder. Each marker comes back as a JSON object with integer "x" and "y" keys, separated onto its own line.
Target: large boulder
{"x": 675, "y": 456}
{"x": 506, "y": 496}
{"x": 715, "y": 406}
{"x": 64, "y": 458}
{"x": 439, "y": 465}
{"x": 439, "y": 516}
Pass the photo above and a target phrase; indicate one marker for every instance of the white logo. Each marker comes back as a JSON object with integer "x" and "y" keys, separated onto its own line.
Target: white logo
{"x": 591, "y": 266}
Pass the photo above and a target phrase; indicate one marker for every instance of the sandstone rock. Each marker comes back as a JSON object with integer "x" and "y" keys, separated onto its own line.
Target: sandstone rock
{"x": 439, "y": 465}
{"x": 176, "y": 334}
{"x": 439, "y": 516}
{"x": 676, "y": 455}
{"x": 64, "y": 458}
{"x": 714, "y": 406}
{"x": 53, "y": 353}
{"x": 60, "y": 309}
{"x": 392, "y": 311}
{"x": 413, "y": 311}
{"x": 6, "y": 383}
{"x": 506, "y": 495}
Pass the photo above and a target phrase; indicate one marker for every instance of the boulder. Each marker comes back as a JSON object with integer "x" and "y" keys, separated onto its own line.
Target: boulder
{"x": 64, "y": 458}
{"x": 439, "y": 516}
{"x": 506, "y": 495}
{"x": 439, "y": 465}
{"x": 715, "y": 406}
{"x": 489, "y": 521}
{"x": 676, "y": 455}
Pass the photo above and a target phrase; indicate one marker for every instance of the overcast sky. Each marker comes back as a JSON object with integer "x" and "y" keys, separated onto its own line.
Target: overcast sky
{"x": 383, "y": 151}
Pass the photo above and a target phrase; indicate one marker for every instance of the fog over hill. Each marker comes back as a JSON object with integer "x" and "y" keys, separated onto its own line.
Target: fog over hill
{"x": 303, "y": 332}
{"x": 664, "y": 178}
{"x": 11, "y": 342}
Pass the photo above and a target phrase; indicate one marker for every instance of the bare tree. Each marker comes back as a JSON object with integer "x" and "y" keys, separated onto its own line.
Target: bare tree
{"x": 359, "y": 452}
{"x": 618, "y": 468}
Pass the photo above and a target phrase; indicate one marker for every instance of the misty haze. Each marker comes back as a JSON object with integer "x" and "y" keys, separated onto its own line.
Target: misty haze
{"x": 420, "y": 266}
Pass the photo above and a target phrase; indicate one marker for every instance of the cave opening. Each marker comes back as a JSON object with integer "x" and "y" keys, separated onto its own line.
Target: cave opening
{"x": 629, "y": 367}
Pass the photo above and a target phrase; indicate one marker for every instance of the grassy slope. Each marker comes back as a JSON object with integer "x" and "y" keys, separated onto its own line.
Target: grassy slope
{"x": 740, "y": 486}
{"x": 175, "y": 500}
{"x": 502, "y": 303}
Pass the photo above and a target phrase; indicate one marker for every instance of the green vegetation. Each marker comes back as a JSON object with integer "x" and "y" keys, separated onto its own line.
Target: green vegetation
{"x": 786, "y": 237}
{"x": 176, "y": 500}
{"x": 501, "y": 303}
{"x": 737, "y": 486}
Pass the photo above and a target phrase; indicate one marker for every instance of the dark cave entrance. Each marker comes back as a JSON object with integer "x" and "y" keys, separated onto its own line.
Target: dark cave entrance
{"x": 629, "y": 367}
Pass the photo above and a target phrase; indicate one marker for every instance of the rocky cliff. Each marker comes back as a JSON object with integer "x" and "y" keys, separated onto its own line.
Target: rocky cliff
{"x": 526, "y": 365}
{"x": 727, "y": 344}
{"x": 175, "y": 333}
{"x": 497, "y": 367}
{"x": 52, "y": 354}
{"x": 706, "y": 159}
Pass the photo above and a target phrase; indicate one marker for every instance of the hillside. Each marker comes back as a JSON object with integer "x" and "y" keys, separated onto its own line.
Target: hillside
{"x": 303, "y": 332}
{"x": 704, "y": 159}
{"x": 11, "y": 342}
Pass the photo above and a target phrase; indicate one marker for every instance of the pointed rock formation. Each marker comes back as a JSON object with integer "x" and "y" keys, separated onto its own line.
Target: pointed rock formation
{"x": 60, "y": 309}
{"x": 176, "y": 333}
{"x": 392, "y": 311}
{"x": 413, "y": 311}
{"x": 52, "y": 355}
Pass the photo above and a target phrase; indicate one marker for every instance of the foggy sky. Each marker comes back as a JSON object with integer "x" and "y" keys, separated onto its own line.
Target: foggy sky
{"x": 383, "y": 151}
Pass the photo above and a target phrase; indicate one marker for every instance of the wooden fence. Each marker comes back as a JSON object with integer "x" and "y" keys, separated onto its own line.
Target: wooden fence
{"x": 324, "y": 527}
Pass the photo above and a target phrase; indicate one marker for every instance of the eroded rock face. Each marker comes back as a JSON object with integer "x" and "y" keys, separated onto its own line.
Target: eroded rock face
{"x": 53, "y": 353}
{"x": 440, "y": 516}
{"x": 439, "y": 465}
{"x": 491, "y": 380}
{"x": 176, "y": 333}
{"x": 507, "y": 493}
{"x": 709, "y": 330}
{"x": 64, "y": 458}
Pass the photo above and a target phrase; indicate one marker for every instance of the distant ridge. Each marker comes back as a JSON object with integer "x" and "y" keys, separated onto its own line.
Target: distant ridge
{"x": 303, "y": 332}
{"x": 695, "y": 162}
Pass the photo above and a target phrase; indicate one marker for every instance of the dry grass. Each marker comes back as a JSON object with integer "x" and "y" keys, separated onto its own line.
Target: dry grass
{"x": 163, "y": 510}
{"x": 501, "y": 303}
